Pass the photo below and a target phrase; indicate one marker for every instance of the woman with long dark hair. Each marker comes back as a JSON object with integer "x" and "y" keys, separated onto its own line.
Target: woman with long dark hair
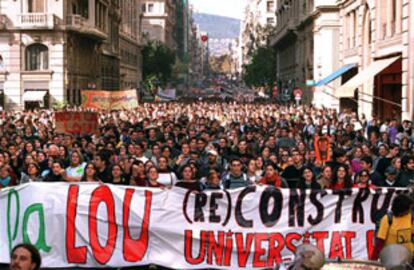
{"x": 308, "y": 180}
{"x": 153, "y": 178}
{"x": 90, "y": 173}
{"x": 137, "y": 175}
{"x": 118, "y": 175}
{"x": 188, "y": 181}
{"x": 363, "y": 181}
{"x": 342, "y": 179}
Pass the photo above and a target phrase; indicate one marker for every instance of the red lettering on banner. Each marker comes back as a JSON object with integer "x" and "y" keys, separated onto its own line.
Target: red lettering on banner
{"x": 77, "y": 116}
{"x": 228, "y": 249}
{"x": 215, "y": 247}
{"x": 73, "y": 254}
{"x": 243, "y": 251}
{"x": 290, "y": 237}
{"x": 134, "y": 250}
{"x": 259, "y": 251}
{"x": 275, "y": 250}
{"x": 320, "y": 239}
{"x": 348, "y": 243}
{"x": 188, "y": 248}
{"x": 76, "y": 128}
{"x": 102, "y": 254}
{"x": 337, "y": 250}
{"x": 370, "y": 242}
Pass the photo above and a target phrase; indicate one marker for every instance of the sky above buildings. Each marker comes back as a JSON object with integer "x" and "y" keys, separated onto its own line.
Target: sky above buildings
{"x": 228, "y": 8}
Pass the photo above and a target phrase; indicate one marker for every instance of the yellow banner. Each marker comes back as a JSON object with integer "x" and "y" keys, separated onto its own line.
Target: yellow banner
{"x": 109, "y": 100}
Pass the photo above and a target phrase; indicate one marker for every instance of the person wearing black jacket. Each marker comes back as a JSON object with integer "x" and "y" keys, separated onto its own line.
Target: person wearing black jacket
{"x": 102, "y": 164}
{"x": 56, "y": 174}
{"x": 390, "y": 179}
{"x": 385, "y": 162}
{"x": 406, "y": 177}
{"x": 294, "y": 172}
{"x": 375, "y": 177}
{"x": 308, "y": 180}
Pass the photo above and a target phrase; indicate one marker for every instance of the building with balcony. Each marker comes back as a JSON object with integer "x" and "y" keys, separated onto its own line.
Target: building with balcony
{"x": 258, "y": 21}
{"x": 376, "y": 39}
{"x": 50, "y": 50}
{"x": 130, "y": 44}
{"x": 306, "y": 43}
{"x": 159, "y": 21}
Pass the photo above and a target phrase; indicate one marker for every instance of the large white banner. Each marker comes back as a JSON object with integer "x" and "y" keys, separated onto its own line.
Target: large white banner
{"x": 91, "y": 225}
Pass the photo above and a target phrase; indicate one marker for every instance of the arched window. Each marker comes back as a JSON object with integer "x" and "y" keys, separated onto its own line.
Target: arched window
{"x": 37, "y": 57}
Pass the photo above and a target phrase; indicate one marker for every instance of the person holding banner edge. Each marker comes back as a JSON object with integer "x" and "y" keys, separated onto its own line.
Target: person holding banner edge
{"x": 396, "y": 226}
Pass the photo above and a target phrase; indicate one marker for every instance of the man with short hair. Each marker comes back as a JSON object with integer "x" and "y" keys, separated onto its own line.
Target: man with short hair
{"x": 214, "y": 163}
{"x": 285, "y": 141}
{"x": 385, "y": 162}
{"x": 103, "y": 172}
{"x": 25, "y": 257}
{"x": 375, "y": 177}
{"x": 406, "y": 177}
{"x": 235, "y": 178}
{"x": 391, "y": 178}
{"x": 294, "y": 172}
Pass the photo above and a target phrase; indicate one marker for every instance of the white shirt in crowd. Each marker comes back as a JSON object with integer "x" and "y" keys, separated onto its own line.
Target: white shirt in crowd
{"x": 168, "y": 179}
{"x": 76, "y": 171}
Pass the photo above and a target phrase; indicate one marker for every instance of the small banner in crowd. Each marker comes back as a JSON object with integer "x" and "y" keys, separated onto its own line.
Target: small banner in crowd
{"x": 109, "y": 100}
{"x": 167, "y": 94}
{"x": 322, "y": 148}
{"x": 95, "y": 225}
{"x": 76, "y": 122}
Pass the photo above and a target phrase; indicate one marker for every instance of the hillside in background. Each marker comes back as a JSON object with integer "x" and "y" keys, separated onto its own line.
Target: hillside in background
{"x": 218, "y": 26}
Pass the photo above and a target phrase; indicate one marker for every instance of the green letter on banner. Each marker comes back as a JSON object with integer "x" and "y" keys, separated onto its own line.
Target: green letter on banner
{"x": 41, "y": 240}
{"x": 12, "y": 236}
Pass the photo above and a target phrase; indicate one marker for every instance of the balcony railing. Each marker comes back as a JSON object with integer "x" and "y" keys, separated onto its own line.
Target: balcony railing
{"x": 80, "y": 24}
{"x": 37, "y": 21}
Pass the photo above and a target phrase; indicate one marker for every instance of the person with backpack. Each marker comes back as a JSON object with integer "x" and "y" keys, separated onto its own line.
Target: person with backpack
{"x": 396, "y": 226}
{"x": 235, "y": 178}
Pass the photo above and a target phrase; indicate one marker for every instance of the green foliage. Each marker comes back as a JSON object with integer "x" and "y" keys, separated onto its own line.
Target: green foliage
{"x": 59, "y": 105}
{"x": 262, "y": 69}
{"x": 158, "y": 61}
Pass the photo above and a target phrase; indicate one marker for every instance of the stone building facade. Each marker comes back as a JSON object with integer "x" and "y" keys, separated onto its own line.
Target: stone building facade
{"x": 159, "y": 21}
{"x": 307, "y": 33}
{"x": 50, "y": 50}
{"x": 377, "y": 39}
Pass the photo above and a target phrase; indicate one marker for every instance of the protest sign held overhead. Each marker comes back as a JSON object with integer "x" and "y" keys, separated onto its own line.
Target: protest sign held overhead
{"x": 109, "y": 100}
{"x": 76, "y": 122}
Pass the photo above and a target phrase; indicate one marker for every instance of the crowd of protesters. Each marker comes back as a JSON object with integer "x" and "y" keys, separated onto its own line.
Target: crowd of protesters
{"x": 206, "y": 146}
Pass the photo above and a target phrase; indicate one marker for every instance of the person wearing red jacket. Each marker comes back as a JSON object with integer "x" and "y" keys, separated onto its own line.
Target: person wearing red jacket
{"x": 272, "y": 177}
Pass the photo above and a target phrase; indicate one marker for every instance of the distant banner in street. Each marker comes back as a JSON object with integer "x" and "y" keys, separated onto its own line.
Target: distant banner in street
{"x": 109, "y": 100}
{"x": 76, "y": 122}
{"x": 96, "y": 226}
{"x": 167, "y": 94}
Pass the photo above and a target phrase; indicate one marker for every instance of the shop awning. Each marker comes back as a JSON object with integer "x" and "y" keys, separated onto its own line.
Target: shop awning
{"x": 347, "y": 90}
{"x": 32, "y": 95}
{"x": 335, "y": 75}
